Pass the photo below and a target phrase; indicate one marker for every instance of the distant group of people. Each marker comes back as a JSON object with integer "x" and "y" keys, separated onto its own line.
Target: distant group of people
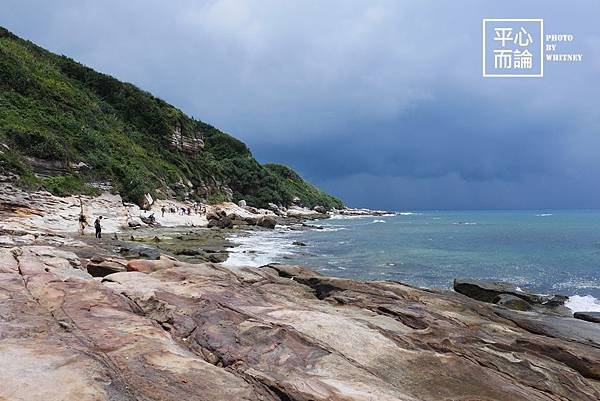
{"x": 196, "y": 207}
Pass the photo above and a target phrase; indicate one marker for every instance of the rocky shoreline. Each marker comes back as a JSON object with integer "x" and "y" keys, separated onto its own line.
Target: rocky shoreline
{"x": 148, "y": 314}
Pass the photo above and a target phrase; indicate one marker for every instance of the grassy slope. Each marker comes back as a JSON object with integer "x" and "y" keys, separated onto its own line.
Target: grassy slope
{"x": 54, "y": 108}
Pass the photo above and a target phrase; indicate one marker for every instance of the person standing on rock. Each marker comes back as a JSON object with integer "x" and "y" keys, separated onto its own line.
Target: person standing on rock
{"x": 82, "y": 219}
{"x": 163, "y": 210}
{"x": 98, "y": 227}
{"x": 82, "y": 223}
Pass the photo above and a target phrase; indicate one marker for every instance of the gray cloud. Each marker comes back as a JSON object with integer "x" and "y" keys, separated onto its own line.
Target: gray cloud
{"x": 385, "y": 95}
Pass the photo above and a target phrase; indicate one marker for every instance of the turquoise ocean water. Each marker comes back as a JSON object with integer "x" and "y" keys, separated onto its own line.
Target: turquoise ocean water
{"x": 552, "y": 251}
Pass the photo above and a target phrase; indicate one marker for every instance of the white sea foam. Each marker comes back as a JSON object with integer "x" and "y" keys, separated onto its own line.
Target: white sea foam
{"x": 378, "y": 221}
{"x": 260, "y": 248}
{"x": 585, "y": 303}
{"x": 543, "y": 214}
{"x": 348, "y": 217}
{"x": 578, "y": 283}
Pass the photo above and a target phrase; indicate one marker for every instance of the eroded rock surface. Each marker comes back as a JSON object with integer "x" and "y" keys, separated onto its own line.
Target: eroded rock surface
{"x": 203, "y": 332}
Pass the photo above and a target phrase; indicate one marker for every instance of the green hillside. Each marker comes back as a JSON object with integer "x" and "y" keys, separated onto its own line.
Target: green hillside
{"x": 92, "y": 128}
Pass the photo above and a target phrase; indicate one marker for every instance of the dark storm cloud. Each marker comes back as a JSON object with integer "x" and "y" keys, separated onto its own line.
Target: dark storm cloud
{"x": 381, "y": 102}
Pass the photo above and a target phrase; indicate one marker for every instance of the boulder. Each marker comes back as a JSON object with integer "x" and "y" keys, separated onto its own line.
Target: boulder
{"x": 267, "y": 222}
{"x": 149, "y": 266}
{"x": 251, "y": 209}
{"x": 242, "y": 203}
{"x": 320, "y": 209}
{"x": 588, "y": 316}
{"x": 222, "y": 222}
{"x": 298, "y": 243}
{"x": 274, "y": 208}
{"x": 512, "y": 302}
{"x": 251, "y": 220}
{"x": 212, "y": 215}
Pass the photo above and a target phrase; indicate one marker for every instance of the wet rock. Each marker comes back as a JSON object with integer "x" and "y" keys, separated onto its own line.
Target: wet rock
{"x": 140, "y": 250}
{"x": 488, "y": 291}
{"x": 512, "y": 302}
{"x": 588, "y": 316}
{"x": 222, "y": 222}
{"x": 267, "y": 222}
{"x": 298, "y": 243}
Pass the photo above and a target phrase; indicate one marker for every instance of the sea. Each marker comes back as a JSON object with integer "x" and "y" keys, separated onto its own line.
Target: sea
{"x": 545, "y": 252}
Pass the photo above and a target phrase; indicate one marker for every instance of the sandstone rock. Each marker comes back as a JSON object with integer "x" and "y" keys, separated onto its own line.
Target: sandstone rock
{"x": 191, "y": 143}
{"x": 148, "y": 266}
{"x": 202, "y": 332}
{"x": 100, "y": 267}
{"x": 588, "y": 316}
{"x": 242, "y": 203}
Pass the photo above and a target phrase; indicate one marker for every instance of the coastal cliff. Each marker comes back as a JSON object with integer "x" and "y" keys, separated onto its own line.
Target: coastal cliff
{"x": 71, "y": 130}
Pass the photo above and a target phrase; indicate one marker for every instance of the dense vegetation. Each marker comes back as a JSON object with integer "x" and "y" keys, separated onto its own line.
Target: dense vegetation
{"x": 296, "y": 187}
{"x": 57, "y": 110}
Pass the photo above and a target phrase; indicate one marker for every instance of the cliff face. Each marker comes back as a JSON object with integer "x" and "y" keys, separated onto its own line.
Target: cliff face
{"x": 192, "y": 145}
{"x": 56, "y": 113}
{"x": 167, "y": 330}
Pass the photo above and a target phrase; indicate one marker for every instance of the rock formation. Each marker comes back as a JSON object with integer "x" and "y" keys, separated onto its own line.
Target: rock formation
{"x": 202, "y": 332}
{"x": 191, "y": 145}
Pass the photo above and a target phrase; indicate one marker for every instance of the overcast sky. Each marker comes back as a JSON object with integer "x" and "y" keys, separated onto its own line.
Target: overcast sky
{"x": 379, "y": 102}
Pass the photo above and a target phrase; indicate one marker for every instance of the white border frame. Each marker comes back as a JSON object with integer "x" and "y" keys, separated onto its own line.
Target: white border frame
{"x": 541, "y": 21}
